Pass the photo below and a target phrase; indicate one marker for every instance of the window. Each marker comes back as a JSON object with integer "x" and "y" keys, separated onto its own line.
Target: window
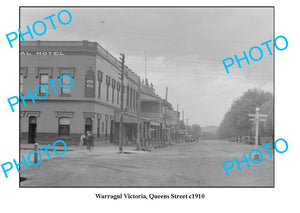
{"x": 133, "y": 100}
{"x": 106, "y": 126}
{"x": 118, "y": 97}
{"x": 64, "y": 127}
{"x": 127, "y": 97}
{"x": 137, "y": 101}
{"x": 21, "y": 83}
{"x": 118, "y": 92}
{"x": 44, "y": 78}
{"x": 113, "y": 95}
{"x": 66, "y": 81}
{"x": 113, "y": 86}
{"x": 98, "y": 128}
{"x": 100, "y": 75}
{"x": 99, "y": 89}
{"x": 107, "y": 90}
{"x": 23, "y": 75}
{"x": 130, "y": 98}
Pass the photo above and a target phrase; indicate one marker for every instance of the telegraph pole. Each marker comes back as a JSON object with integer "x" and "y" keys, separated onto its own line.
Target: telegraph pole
{"x": 145, "y": 65}
{"x": 122, "y": 59}
{"x": 177, "y": 121}
{"x": 187, "y": 124}
{"x": 138, "y": 133}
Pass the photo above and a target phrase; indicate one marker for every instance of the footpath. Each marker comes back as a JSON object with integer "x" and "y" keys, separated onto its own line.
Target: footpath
{"x": 73, "y": 151}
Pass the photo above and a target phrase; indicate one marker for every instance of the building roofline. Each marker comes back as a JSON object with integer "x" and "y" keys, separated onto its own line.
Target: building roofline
{"x": 88, "y": 47}
{"x": 94, "y": 46}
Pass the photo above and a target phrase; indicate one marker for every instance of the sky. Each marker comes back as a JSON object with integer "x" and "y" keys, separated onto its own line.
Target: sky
{"x": 183, "y": 49}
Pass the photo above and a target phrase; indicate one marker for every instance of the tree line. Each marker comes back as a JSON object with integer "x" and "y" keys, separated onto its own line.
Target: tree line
{"x": 236, "y": 121}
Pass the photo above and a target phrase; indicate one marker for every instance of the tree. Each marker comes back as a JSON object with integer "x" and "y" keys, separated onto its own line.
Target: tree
{"x": 268, "y": 126}
{"x": 236, "y": 121}
{"x": 181, "y": 125}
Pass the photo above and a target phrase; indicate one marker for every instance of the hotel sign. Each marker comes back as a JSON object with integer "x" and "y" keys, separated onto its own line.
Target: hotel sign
{"x": 90, "y": 86}
{"x": 90, "y": 83}
{"x": 42, "y": 53}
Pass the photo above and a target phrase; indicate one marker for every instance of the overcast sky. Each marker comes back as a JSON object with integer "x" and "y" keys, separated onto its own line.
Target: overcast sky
{"x": 184, "y": 50}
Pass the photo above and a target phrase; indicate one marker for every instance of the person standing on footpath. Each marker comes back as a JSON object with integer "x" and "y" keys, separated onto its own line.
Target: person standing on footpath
{"x": 82, "y": 142}
{"x": 90, "y": 140}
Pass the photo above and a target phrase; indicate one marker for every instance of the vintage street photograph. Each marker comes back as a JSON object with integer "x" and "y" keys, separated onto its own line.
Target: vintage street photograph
{"x": 146, "y": 96}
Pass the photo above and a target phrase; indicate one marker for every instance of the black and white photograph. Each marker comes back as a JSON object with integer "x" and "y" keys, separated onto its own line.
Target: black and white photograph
{"x": 146, "y": 96}
{"x": 149, "y": 106}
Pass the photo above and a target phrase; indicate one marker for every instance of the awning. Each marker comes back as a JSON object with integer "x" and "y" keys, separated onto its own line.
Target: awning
{"x": 154, "y": 123}
{"x": 145, "y": 97}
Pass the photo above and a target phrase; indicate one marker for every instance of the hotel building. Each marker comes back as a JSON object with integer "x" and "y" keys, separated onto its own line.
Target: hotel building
{"x": 92, "y": 103}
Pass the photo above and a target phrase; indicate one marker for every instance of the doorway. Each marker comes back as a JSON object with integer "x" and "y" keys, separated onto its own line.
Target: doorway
{"x": 32, "y": 130}
{"x": 88, "y": 125}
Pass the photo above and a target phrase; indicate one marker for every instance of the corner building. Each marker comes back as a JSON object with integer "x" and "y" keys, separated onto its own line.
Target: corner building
{"x": 90, "y": 104}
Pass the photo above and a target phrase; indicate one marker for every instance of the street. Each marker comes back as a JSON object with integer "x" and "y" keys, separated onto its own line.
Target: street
{"x": 184, "y": 164}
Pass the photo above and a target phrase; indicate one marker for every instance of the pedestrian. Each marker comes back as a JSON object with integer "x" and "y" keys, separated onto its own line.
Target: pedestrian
{"x": 134, "y": 140}
{"x": 82, "y": 141}
{"x": 90, "y": 140}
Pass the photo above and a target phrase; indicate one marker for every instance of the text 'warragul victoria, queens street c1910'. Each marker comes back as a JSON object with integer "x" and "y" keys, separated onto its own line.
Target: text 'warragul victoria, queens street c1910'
{"x": 150, "y": 196}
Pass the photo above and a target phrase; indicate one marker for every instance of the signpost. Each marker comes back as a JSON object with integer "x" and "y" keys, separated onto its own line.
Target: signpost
{"x": 257, "y": 118}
